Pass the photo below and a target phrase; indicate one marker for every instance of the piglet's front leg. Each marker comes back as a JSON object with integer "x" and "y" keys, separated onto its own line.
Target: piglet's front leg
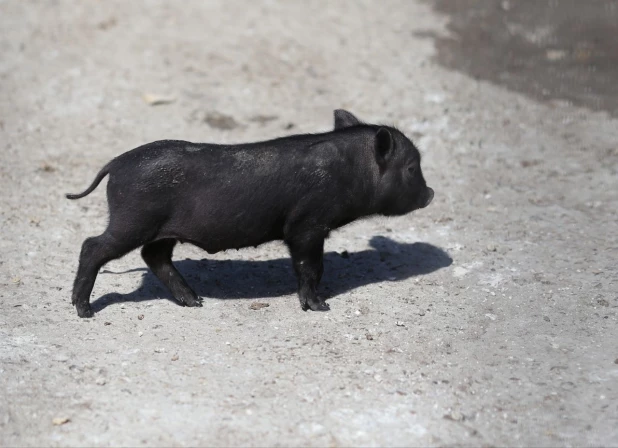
{"x": 307, "y": 254}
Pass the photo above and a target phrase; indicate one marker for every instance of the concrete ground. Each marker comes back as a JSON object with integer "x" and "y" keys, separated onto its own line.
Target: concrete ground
{"x": 489, "y": 318}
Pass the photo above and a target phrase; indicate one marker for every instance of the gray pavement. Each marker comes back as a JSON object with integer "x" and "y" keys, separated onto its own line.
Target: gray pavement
{"x": 487, "y": 319}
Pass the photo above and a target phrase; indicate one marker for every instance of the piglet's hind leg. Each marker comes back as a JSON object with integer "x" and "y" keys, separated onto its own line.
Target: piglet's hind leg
{"x": 158, "y": 257}
{"x": 96, "y": 251}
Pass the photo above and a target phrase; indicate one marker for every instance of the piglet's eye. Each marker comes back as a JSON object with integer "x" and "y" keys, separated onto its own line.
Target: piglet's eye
{"x": 412, "y": 169}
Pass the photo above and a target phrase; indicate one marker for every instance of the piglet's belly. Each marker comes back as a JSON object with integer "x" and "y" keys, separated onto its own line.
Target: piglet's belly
{"x": 215, "y": 235}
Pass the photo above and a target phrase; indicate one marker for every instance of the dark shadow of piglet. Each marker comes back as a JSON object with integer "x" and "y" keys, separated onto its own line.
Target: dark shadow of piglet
{"x": 240, "y": 279}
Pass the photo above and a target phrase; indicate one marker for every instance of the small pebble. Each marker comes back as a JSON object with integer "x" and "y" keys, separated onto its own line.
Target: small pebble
{"x": 100, "y": 381}
{"x": 400, "y": 324}
{"x": 107, "y": 323}
{"x": 60, "y": 421}
{"x": 175, "y": 358}
{"x": 455, "y": 416}
{"x": 140, "y": 317}
{"x": 258, "y": 305}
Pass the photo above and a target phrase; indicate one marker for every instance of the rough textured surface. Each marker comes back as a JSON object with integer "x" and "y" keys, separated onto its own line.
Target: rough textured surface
{"x": 489, "y": 318}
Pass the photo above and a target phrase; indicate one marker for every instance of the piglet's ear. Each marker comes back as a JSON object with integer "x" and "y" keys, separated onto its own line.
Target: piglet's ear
{"x": 344, "y": 119}
{"x": 383, "y": 146}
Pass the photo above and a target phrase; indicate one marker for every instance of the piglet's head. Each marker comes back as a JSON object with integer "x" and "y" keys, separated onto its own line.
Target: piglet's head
{"x": 401, "y": 187}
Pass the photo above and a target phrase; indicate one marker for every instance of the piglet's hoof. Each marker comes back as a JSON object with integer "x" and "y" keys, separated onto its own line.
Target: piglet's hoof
{"x": 318, "y": 306}
{"x": 84, "y": 311}
{"x": 322, "y": 306}
{"x": 191, "y": 302}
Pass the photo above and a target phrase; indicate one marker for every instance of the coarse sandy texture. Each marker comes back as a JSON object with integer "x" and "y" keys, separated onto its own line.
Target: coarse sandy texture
{"x": 489, "y": 318}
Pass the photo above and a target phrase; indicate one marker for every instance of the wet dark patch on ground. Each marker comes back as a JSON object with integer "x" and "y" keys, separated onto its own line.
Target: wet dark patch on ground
{"x": 546, "y": 49}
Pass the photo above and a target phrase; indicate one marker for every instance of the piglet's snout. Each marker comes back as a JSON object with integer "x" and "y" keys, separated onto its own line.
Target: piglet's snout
{"x": 428, "y": 197}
